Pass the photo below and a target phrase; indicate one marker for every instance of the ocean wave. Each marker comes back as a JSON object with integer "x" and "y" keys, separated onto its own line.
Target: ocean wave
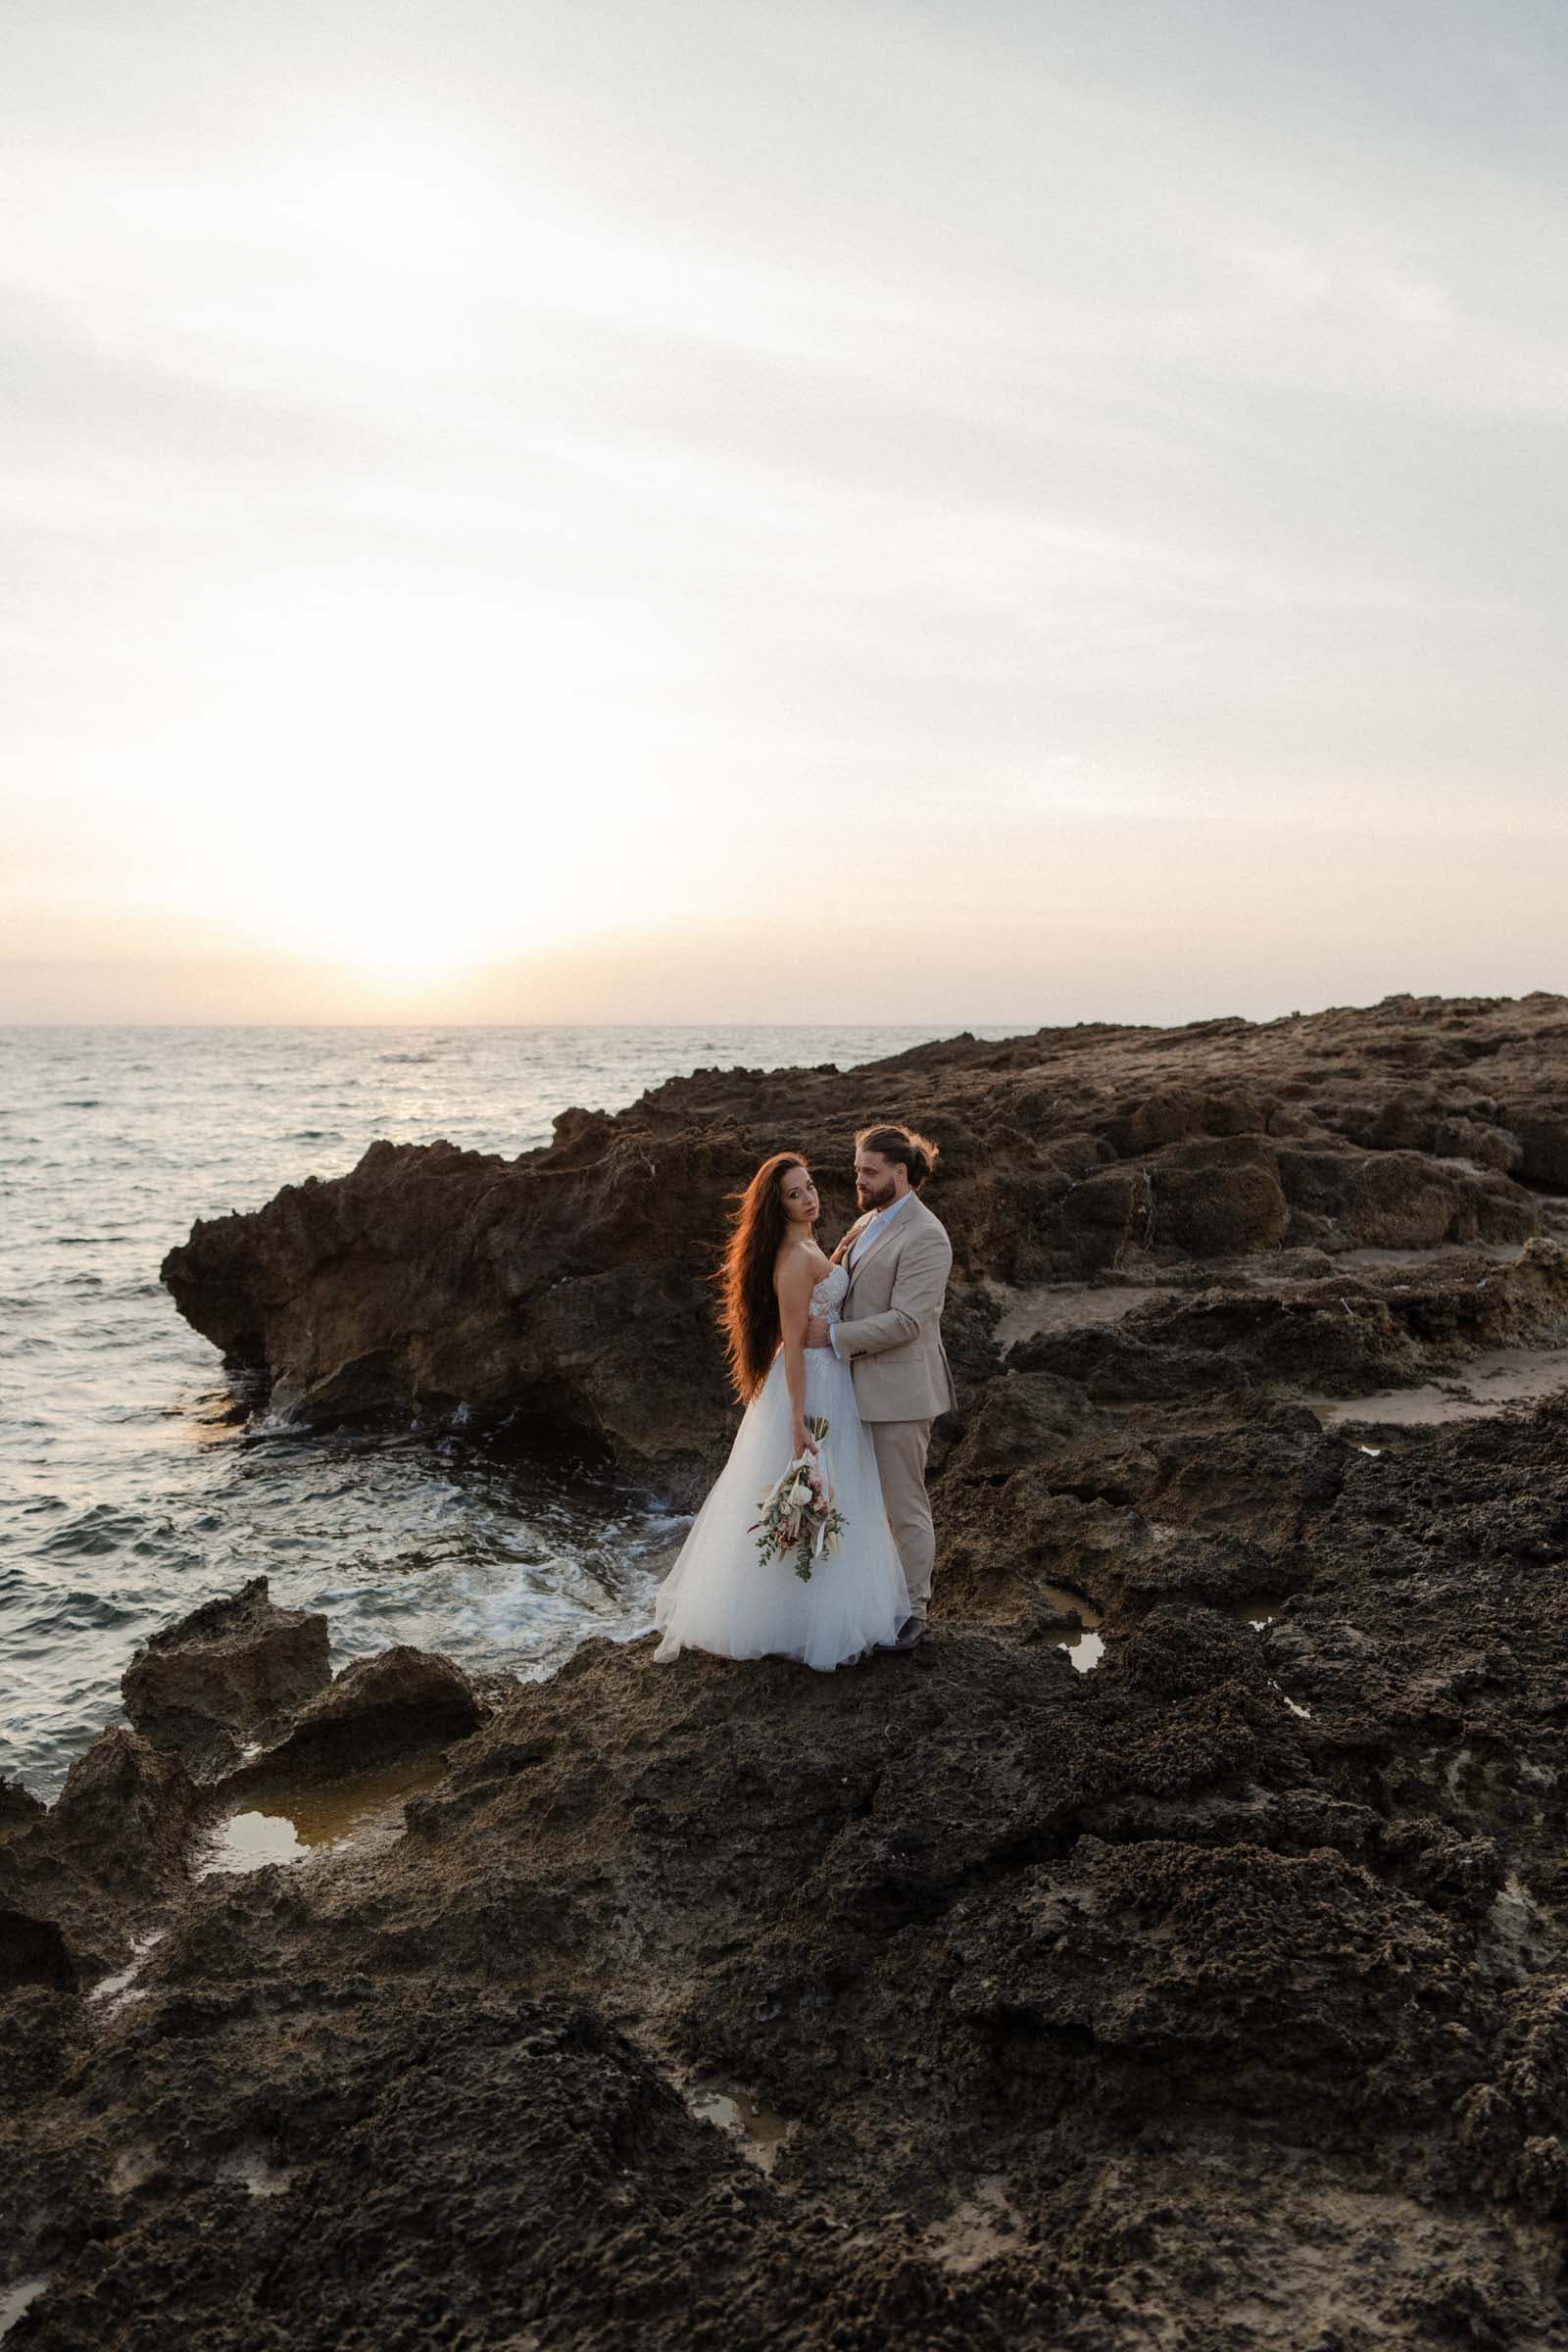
{"x": 99, "y": 1530}
{"x": 78, "y": 1612}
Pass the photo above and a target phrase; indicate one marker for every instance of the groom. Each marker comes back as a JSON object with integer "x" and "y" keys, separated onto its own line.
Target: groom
{"x": 898, "y": 1258}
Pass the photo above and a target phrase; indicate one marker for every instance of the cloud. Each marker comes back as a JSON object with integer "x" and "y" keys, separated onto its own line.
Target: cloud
{"x": 537, "y": 465}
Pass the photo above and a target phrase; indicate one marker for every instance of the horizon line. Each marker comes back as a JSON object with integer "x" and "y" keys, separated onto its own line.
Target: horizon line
{"x": 940, "y": 1028}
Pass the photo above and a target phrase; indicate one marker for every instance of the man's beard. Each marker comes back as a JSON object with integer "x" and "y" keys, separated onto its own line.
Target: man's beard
{"x": 875, "y": 1198}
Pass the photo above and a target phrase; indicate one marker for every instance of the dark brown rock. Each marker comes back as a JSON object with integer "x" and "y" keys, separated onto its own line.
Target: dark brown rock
{"x": 1108, "y": 1214}
{"x": 1402, "y": 1201}
{"x": 19, "y": 1808}
{"x": 1483, "y": 1145}
{"x": 1343, "y": 1335}
{"x": 32, "y": 1952}
{"x": 232, "y": 1672}
{"x": 1543, "y": 1144}
{"x": 401, "y": 1702}
{"x": 122, "y": 1817}
{"x": 112, "y": 1846}
{"x": 1016, "y": 1420}
{"x": 1219, "y": 1199}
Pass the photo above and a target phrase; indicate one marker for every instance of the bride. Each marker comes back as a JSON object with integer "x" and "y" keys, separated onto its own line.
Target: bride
{"x": 722, "y": 1594}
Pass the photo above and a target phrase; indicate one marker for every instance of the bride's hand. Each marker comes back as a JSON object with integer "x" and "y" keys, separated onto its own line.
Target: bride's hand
{"x": 801, "y": 1439}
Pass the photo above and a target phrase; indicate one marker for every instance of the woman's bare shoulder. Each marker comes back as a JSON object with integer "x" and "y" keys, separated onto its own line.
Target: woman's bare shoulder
{"x": 801, "y": 1265}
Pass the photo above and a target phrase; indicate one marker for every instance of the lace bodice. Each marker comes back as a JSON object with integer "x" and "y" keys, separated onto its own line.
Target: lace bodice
{"x": 828, "y": 1299}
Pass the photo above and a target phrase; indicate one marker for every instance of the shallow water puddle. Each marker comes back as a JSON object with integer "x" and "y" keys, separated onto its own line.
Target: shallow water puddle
{"x": 759, "y": 2130}
{"x": 1256, "y": 1609}
{"x": 13, "y": 2301}
{"x": 249, "y": 1840}
{"x": 325, "y": 1819}
{"x": 1084, "y": 1643}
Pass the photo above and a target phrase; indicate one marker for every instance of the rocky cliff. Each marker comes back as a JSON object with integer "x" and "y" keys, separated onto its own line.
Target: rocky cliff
{"x": 569, "y": 1289}
{"x": 1215, "y": 1995}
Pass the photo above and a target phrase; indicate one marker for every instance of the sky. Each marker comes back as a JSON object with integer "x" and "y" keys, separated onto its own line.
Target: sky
{"x": 967, "y": 511}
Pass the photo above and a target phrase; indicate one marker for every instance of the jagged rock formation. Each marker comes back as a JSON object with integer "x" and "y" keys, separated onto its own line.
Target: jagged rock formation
{"x": 225, "y": 1678}
{"x": 398, "y": 1703}
{"x": 569, "y": 1288}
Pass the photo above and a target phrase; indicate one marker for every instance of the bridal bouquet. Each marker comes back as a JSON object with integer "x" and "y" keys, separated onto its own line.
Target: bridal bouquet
{"x": 798, "y": 1513}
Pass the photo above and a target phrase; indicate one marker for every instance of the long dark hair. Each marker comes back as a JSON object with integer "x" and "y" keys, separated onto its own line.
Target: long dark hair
{"x": 748, "y": 1305}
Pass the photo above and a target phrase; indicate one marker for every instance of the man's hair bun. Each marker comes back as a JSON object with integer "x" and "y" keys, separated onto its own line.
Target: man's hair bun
{"x": 915, "y": 1153}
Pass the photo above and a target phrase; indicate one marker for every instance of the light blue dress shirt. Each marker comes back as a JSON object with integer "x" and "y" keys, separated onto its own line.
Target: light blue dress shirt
{"x": 884, "y": 1216}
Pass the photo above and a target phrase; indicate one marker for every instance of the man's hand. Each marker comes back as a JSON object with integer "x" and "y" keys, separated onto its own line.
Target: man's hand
{"x": 816, "y": 1332}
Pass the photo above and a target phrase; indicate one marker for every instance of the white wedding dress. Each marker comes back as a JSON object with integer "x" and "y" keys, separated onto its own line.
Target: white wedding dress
{"x": 722, "y": 1595}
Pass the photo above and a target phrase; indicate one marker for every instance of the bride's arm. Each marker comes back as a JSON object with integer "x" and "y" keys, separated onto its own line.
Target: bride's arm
{"x": 794, "y": 1281}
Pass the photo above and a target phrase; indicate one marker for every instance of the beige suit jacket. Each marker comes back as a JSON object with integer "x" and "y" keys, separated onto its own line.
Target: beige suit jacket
{"x": 890, "y": 1332}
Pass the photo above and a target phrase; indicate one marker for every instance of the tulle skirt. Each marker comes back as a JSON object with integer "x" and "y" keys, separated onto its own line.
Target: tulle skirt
{"x": 722, "y": 1595}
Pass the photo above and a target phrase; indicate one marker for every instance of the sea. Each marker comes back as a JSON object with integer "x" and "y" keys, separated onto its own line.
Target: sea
{"x": 127, "y": 1492}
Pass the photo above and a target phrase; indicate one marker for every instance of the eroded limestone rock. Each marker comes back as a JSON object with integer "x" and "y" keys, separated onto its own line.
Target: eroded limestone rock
{"x": 229, "y": 1675}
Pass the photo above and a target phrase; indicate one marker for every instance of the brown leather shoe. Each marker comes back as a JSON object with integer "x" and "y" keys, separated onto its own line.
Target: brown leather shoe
{"x": 910, "y": 1634}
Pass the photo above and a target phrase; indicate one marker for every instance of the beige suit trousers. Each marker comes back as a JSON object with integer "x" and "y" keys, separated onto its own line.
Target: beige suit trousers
{"x": 901, "y": 1451}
